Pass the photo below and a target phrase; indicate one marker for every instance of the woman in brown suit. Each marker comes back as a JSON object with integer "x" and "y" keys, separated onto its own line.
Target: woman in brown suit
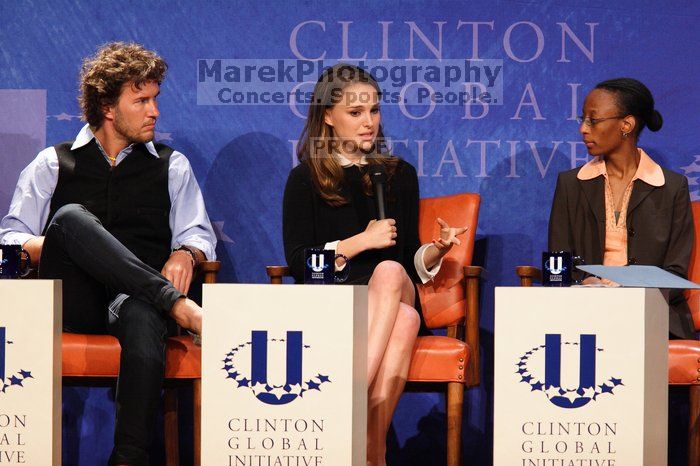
{"x": 621, "y": 207}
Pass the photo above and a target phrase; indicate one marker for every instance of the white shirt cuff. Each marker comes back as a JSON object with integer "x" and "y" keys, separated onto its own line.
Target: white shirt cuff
{"x": 424, "y": 274}
{"x": 205, "y": 246}
{"x": 16, "y": 237}
{"x": 333, "y": 245}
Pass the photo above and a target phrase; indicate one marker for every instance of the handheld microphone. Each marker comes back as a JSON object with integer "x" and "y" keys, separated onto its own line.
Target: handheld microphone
{"x": 377, "y": 173}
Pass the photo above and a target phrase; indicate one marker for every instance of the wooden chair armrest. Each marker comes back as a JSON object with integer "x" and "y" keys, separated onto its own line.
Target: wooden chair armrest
{"x": 209, "y": 269}
{"x": 472, "y": 275}
{"x": 528, "y": 274}
{"x": 276, "y": 273}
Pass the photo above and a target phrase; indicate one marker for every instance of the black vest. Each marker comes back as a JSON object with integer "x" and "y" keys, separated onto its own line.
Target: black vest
{"x": 131, "y": 200}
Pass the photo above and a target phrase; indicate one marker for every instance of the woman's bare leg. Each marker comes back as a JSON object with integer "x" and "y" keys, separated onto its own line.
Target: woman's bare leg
{"x": 393, "y": 329}
{"x": 389, "y": 286}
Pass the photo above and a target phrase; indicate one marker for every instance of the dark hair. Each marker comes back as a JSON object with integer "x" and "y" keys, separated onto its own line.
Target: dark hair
{"x": 317, "y": 137}
{"x": 114, "y": 64}
{"x": 635, "y": 99}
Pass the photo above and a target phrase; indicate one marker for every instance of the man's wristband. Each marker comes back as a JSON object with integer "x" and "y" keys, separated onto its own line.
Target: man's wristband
{"x": 189, "y": 251}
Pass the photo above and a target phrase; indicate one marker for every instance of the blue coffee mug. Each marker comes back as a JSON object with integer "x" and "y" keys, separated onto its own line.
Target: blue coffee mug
{"x": 319, "y": 267}
{"x": 556, "y": 268}
{"x": 14, "y": 261}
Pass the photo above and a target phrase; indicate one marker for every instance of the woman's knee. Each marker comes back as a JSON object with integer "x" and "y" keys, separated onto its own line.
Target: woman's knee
{"x": 389, "y": 274}
{"x": 409, "y": 320}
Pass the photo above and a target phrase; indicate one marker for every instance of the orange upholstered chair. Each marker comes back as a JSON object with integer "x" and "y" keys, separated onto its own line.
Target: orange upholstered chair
{"x": 451, "y": 301}
{"x": 683, "y": 355}
{"x": 93, "y": 360}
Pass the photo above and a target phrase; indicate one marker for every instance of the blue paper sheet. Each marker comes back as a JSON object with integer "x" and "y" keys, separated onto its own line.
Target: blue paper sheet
{"x": 639, "y": 276}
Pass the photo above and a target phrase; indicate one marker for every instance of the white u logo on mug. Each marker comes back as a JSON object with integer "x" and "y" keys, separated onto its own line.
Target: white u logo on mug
{"x": 559, "y": 267}
{"x": 317, "y": 262}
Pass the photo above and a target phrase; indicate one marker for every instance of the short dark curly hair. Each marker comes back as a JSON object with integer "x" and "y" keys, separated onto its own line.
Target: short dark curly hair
{"x": 114, "y": 64}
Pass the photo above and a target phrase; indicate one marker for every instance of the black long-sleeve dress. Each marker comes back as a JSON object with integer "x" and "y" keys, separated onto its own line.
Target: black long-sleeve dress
{"x": 310, "y": 222}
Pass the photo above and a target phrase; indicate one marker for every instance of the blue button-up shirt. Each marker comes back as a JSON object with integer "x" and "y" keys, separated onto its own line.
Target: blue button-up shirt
{"x": 31, "y": 202}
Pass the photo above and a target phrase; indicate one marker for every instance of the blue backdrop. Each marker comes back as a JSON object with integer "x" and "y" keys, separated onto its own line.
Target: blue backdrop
{"x": 552, "y": 53}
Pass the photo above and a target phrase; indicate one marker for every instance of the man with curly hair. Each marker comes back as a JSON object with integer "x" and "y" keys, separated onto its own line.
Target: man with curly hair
{"x": 121, "y": 220}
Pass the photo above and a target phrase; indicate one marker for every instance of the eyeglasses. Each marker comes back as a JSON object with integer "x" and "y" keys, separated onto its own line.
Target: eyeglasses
{"x": 594, "y": 121}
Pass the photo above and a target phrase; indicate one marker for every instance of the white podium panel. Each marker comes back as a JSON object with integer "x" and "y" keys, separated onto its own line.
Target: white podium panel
{"x": 581, "y": 377}
{"x": 284, "y": 375}
{"x": 30, "y": 372}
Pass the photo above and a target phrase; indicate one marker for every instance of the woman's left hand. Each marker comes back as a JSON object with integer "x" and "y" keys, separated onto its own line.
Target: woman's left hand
{"x": 448, "y": 237}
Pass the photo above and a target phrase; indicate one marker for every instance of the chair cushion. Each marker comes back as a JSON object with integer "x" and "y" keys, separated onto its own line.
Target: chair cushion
{"x": 183, "y": 359}
{"x": 98, "y": 356}
{"x": 90, "y": 355}
{"x": 684, "y": 362}
{"x": 439, "y": 359}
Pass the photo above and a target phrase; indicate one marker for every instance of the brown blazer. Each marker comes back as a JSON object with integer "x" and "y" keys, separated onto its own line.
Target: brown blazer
{"x": 659, "y": 229}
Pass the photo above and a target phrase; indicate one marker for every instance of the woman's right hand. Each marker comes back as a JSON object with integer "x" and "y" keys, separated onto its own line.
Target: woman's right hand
{"x": 380, "y": 234}
{"x": 591, "y": 281}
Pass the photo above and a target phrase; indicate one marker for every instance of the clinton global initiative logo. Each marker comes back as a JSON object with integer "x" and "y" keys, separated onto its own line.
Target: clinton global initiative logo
{"x": 286, "y": 380}
{"x": 13, "y": 379}
{"x": 541, "y": 369}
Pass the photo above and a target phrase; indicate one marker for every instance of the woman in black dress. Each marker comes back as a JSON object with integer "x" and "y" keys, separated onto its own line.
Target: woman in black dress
{"x": 329, "y": 203}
